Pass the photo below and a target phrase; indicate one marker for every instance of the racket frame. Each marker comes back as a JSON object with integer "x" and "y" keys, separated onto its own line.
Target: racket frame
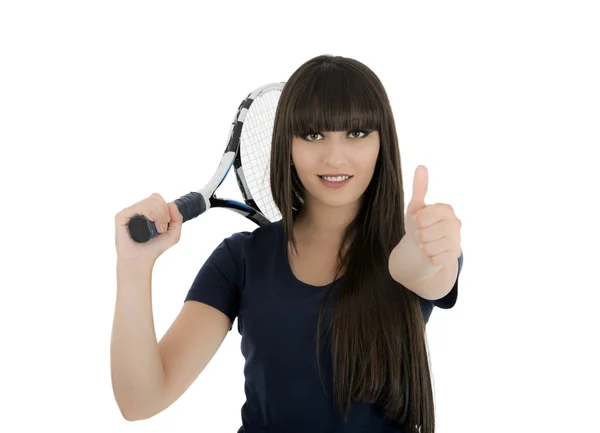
{"x": 232, "y": 157}
{"x": 195, "y": 203}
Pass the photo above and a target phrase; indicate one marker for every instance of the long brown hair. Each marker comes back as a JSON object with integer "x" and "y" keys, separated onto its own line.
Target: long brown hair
{"x": 378, "y": 341}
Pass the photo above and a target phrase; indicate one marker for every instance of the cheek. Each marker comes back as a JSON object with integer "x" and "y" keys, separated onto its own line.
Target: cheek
{"x": 296, "y": 154}
{"x": 303, "y": 160}
{"x": 373, "y": 162}
{"x": 302, "y": 163}
{"x": 367, "y": 159}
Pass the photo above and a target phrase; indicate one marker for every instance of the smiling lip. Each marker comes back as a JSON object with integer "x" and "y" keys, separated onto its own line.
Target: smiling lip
{"x": 334, "y": 175}
{"x": 330, "y": 184}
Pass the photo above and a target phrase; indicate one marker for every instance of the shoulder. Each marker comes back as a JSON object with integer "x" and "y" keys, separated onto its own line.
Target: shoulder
{"x": 251, "y": 242}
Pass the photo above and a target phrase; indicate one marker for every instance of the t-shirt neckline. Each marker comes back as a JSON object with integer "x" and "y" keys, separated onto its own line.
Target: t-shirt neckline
{"x": 288, "y": 269}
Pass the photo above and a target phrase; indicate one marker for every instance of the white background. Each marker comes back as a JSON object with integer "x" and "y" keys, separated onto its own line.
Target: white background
{"x": 104, "y": 103}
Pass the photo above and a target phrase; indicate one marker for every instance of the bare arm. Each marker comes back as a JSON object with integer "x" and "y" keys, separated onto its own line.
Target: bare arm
{"x": 148, "y": 376}
{"x": 136, "y": 368}
{"x": 189, "y": 345}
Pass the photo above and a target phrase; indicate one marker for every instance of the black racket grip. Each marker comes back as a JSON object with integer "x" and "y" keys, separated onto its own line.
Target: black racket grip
{"x": 142, "y": 230}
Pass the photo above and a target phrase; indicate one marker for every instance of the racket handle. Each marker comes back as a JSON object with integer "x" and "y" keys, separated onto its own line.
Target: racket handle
{"x": 142, "y": 230}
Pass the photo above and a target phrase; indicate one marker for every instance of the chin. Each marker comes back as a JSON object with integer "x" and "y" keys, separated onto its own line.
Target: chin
{"x": 337, "y": 199}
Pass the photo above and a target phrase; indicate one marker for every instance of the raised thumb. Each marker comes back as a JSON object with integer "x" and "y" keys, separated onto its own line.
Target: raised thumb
{"x": 420, "y": 181}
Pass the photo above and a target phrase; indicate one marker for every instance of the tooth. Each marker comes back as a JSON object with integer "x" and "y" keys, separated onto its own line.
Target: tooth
{"x": 335, "y": 178}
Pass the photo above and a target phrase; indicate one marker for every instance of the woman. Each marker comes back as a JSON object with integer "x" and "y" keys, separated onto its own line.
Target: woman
{"x": 332, "y": 300}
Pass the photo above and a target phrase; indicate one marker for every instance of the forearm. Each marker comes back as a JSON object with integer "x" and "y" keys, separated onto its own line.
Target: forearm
{"x": 409, "y": 268}
{"x": 438, "y": 285}
{"x": 136, "y": 367}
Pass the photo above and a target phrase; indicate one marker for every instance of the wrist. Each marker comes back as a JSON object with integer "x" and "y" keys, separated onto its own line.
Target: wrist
{"x": 136, "y": 265}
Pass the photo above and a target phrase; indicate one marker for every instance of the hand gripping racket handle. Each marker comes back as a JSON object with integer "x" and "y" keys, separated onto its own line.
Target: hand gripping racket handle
{"x": 141, "y": 229}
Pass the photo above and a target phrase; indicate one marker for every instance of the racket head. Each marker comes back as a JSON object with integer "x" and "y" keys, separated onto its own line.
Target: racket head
{"x": 253, "y": 133}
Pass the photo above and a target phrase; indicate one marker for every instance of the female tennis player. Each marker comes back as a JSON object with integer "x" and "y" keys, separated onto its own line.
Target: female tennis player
{"x": 332, "y": 300}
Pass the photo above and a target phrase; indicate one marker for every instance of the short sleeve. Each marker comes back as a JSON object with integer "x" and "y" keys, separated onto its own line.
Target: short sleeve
{"x": 218, "y": 282}
{"x": 447, "y": 301}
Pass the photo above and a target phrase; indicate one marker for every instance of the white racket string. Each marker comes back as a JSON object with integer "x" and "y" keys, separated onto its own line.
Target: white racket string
{"x": 255, "y": 148}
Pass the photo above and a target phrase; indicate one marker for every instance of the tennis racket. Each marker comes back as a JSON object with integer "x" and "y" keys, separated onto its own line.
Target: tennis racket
{"x": 248, "y": 150}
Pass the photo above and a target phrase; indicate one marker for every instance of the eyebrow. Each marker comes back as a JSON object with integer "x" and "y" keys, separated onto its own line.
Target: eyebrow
{"x": 345, "y": 130}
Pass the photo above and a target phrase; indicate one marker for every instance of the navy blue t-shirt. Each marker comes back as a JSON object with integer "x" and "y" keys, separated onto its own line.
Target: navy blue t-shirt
{"x": 248, "y": 276}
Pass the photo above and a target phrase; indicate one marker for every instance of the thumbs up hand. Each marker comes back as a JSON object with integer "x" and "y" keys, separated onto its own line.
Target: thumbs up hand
{"x": 432, "y": 239}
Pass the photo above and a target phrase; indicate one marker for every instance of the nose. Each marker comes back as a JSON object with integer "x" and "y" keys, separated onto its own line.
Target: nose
{"x": 335, "y": 150}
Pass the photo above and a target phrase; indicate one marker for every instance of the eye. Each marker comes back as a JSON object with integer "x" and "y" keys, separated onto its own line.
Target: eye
{"x": 307, "y": 134}
{"x": 363, "y": 131}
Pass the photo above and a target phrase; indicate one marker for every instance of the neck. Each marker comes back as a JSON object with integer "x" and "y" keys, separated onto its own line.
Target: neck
{"x": 319, "y": 221}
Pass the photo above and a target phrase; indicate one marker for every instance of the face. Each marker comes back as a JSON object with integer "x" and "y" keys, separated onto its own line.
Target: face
{"x": 319, "y": 154}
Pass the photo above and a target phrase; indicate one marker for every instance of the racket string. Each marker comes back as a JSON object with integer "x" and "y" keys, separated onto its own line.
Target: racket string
{"x": 255, "y": 148}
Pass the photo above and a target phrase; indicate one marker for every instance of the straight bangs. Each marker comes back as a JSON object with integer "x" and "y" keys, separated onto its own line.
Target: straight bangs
{"x": 332, "y": 99}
